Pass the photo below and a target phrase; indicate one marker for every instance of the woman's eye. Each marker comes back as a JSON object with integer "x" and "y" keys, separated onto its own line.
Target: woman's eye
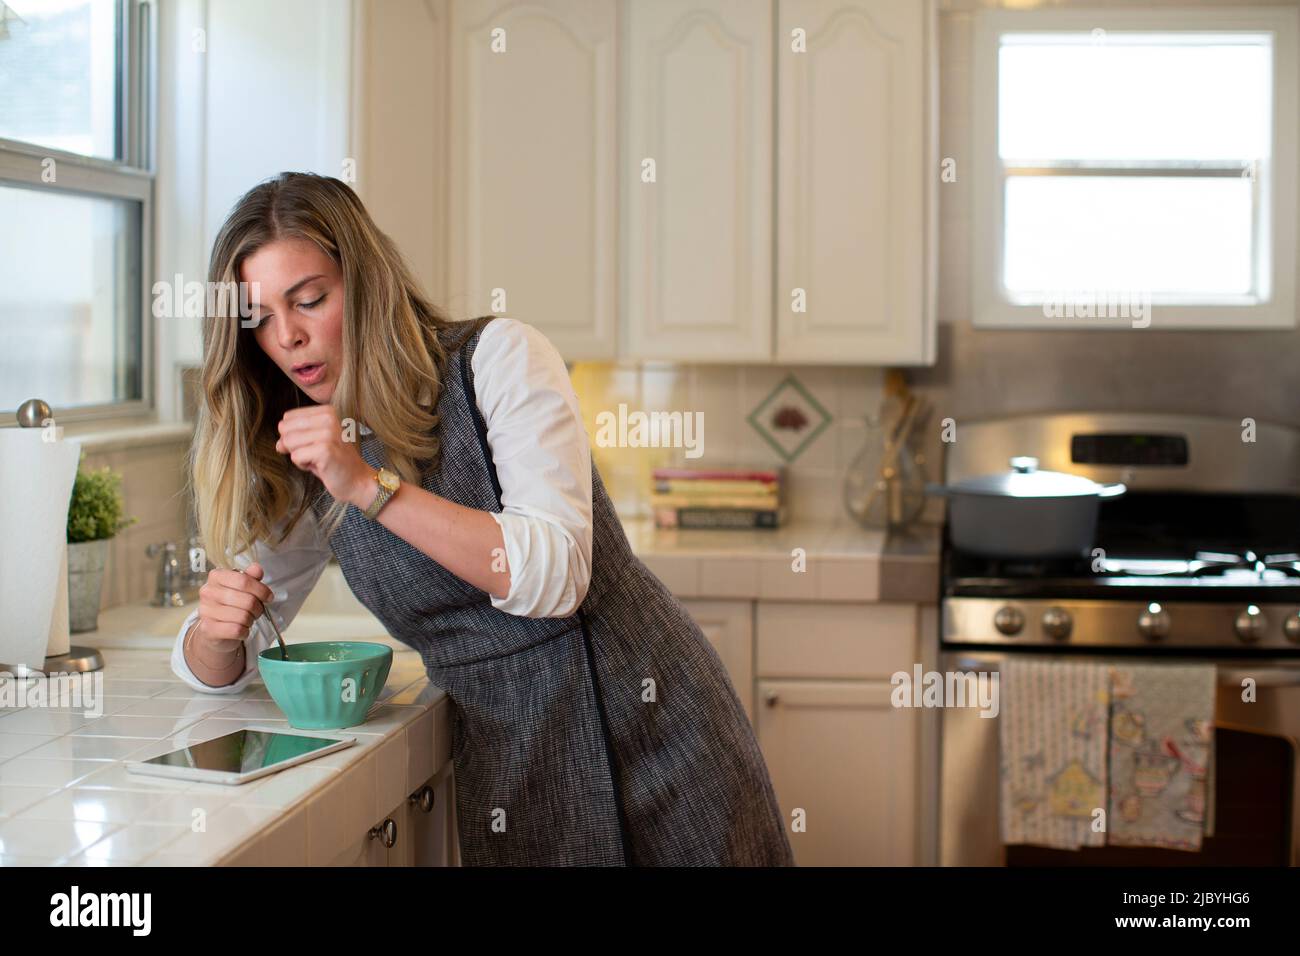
{"x": 312, "y": 305}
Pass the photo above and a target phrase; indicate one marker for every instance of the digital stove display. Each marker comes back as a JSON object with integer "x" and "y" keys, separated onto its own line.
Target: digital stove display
{"x": 1124, "y": 449}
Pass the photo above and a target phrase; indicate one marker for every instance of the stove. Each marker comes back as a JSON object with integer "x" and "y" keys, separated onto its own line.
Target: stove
{"x": 1198, "y": 562}
{"x": 1203, "y": 556}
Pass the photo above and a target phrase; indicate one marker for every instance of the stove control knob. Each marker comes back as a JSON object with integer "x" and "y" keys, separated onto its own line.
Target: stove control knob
{"x": 1153, "y": 623}
{"x": 1057, "y": 623}
{"x": 1291, "y": 627}
{"x": 1009, "y": 620}
{"x": 1251, "y": 624}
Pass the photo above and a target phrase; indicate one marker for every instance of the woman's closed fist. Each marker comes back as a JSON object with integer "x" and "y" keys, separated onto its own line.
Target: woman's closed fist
{"x": 229, "y": 603}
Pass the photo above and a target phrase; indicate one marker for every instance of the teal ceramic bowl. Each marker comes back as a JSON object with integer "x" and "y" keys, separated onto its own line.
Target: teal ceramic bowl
{"x": 326, "y": 685}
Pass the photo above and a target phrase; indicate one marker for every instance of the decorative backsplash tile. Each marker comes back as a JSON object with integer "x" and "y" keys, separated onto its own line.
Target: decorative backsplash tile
{"x": 824, "y": 407}
{"x": 789, "y": 418}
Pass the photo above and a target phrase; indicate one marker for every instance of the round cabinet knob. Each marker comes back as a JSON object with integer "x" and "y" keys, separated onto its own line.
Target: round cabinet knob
{"x": 1291, "y": 627}
{"x": 1009, "y": 620}
{"x": 386, "y": 833}
{"x": 1057, "y": 623}
{"x": 1154, "y": 623}
{"x": 423, "y": 798}
{"x": 1251, "y": 624}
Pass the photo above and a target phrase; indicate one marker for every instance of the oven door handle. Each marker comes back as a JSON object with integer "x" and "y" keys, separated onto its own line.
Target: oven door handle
{"x": 1228, "y": 676}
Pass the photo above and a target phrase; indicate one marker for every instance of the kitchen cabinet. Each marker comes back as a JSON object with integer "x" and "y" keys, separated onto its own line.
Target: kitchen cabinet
{"x": 673, "y": 181}
{"x": 533, "y": 168}
{"x": 697, "y": 115}
{"x": 840, "y": 753}
{"x": 833, "y": 117}
{"x": 835, "y": 746}
{"x": 856, "y": 180}
{"x": 432, "y": 828}
{"x": 815, "y": 681}
{"x": 420, "y": 830}
{"x": 729, "y": 627}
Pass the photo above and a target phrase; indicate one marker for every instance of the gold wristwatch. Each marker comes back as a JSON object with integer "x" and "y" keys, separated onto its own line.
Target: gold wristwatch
{"x": 388, "y": 484}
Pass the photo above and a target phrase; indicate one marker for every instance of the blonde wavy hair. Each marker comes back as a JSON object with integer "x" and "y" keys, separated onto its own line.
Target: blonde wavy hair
{"x": 241, "y": 485}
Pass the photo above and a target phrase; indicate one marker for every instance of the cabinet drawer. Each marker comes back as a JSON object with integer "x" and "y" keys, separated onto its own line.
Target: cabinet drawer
{"x": 862, "y": 641}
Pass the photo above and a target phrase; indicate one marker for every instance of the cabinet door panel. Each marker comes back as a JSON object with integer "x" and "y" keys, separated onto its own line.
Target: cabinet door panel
{"x": 534, "y": 148}
{"x": 699, "y": 102}
{"x": 853, "y": 182}
{"x": 804, "y": 639}
{"x": 841, "y": 753}
{"x": 430, "y": 831}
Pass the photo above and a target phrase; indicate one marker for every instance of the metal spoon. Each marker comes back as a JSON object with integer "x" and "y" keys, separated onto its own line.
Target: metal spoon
{"x": 266, "y": 613}
{"x": 284, "y": 651}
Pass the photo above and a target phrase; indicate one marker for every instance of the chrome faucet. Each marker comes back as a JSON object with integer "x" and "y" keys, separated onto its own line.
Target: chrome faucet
{"x": 168, "y": 591}
{"x": 196, "y": 566}
{"x": 179, "y": 577}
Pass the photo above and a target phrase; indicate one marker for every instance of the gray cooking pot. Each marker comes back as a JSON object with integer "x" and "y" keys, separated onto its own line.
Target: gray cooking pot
{"x": 1024, "y": 512}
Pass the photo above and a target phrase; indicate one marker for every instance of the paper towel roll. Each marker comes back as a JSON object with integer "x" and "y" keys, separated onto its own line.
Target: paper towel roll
{"x": 36, "y": 478}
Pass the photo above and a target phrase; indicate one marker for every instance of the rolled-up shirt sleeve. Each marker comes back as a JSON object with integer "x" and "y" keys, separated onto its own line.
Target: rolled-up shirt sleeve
{"x": 291, "y": 570}
{"x": 543, "y": 463}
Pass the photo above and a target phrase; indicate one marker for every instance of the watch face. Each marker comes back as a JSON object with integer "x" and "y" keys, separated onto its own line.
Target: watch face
{"x": 388, "y": 479}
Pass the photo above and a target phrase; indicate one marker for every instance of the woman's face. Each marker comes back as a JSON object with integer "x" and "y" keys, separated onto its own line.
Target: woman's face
{"x": 298, "y": 308}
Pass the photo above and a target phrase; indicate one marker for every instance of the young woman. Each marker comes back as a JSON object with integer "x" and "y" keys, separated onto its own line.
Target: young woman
{"x": 593, "y": 723}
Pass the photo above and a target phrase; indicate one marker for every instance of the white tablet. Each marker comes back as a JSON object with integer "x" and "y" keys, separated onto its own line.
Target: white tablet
{"x": 242, "y": 755}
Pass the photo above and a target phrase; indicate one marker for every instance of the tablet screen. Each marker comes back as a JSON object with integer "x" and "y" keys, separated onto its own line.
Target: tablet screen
{"x": 242, "y": 751}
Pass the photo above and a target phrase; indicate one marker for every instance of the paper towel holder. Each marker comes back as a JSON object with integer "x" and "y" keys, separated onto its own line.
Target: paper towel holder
{"x": 33, "y": 413}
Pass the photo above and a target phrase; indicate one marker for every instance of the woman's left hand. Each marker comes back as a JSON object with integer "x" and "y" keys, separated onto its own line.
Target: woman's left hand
{"x": 313, "y": 439}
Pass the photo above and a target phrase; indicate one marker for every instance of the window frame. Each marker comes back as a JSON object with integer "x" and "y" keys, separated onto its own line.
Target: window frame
{"x": 131, "y": 177}
{"x": 1275, "y": 192}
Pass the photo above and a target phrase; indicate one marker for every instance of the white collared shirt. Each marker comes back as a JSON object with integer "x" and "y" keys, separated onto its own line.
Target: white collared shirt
{"x": 543, "y": 462}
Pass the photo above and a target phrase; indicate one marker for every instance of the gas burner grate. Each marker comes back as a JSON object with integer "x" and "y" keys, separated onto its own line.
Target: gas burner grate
{"x": 1206, "y": 564}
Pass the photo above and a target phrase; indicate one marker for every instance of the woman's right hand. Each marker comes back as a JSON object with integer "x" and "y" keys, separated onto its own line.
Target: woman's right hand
{"x": 229, "y": 603}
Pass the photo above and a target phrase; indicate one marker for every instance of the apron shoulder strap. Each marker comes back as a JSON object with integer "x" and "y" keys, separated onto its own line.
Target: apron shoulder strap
{"x": 462, "y": 331}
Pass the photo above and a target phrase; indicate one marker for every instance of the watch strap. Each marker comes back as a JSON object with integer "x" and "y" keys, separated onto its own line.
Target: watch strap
{"x": 381, "y": 499}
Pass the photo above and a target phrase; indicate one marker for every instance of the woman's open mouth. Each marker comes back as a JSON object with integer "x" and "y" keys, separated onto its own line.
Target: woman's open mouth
{"x": 309, "y": 374}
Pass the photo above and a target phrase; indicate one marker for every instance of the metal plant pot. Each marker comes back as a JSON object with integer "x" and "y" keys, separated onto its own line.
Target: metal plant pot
{"x": 86, "y": 561}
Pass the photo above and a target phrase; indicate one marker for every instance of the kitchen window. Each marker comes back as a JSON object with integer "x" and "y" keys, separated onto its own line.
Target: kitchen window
{"x": 1135, "y": 169}
{"x": 76, "y": 188}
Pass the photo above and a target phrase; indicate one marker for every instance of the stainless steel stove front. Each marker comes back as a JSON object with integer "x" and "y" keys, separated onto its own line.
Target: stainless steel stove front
{"x": 1042, "y": 623}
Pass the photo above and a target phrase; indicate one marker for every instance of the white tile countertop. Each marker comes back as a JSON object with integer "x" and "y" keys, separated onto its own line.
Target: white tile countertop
{"x": 841, "y": 561}
{"x": 66, "y": 797}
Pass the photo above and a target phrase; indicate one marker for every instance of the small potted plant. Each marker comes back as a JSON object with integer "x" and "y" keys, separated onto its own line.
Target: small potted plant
{"x": 94, "y": 517}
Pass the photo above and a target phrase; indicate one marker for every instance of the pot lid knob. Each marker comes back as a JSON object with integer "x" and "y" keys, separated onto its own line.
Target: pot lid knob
{"x": 1024, "y": 464}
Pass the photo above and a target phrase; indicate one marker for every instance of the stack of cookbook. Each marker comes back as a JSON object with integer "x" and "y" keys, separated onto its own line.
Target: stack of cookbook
{"x": 717, "y": 498}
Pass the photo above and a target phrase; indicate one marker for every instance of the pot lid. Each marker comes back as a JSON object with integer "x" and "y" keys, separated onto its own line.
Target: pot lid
{"x": 1024, "y": 480}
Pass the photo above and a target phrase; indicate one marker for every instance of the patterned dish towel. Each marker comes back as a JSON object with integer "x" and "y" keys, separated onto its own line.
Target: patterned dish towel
{"x": 1161, "y": 755}
{"x": 1053, "y": 752}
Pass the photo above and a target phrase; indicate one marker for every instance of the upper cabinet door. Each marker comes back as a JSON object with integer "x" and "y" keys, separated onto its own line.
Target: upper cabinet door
{"x": 698, "y": 115}
{"x": 533, "y": 186}
{"x": 855, "y": 182}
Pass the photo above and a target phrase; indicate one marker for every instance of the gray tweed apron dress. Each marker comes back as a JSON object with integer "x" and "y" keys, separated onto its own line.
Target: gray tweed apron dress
{"x": 564, "y": 751}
